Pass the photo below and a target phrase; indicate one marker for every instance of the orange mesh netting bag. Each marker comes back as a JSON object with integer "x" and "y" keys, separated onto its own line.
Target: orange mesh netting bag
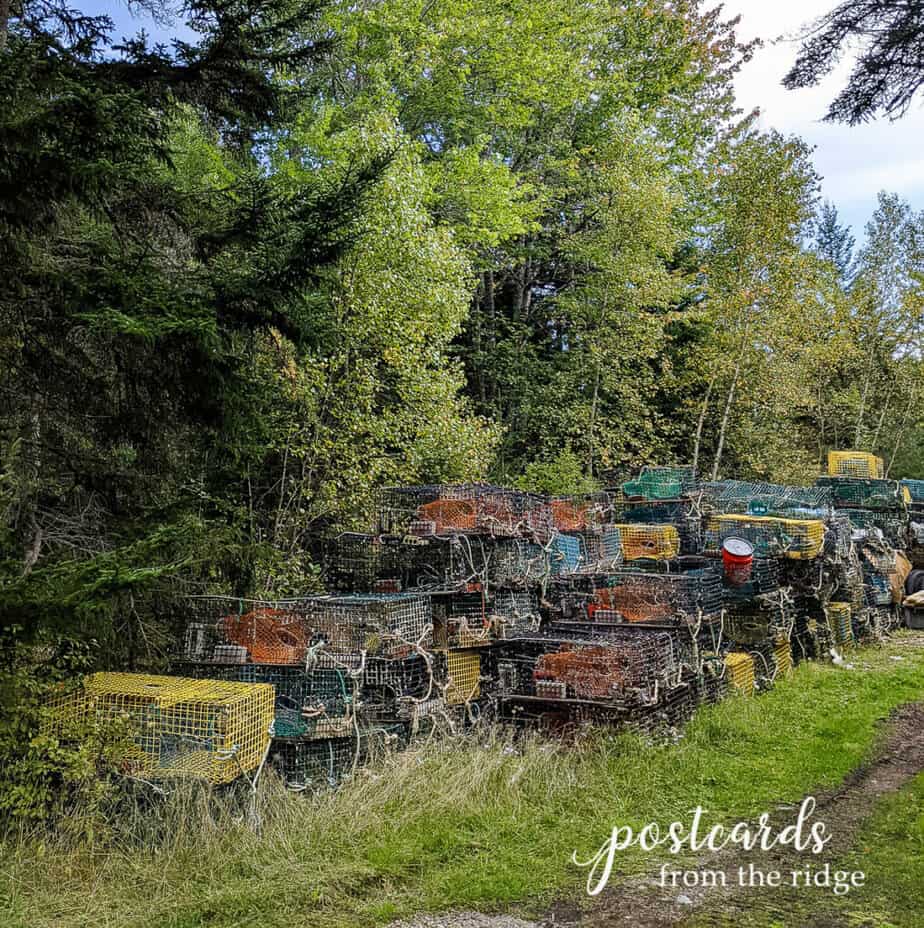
{"x": 271, "y": 636}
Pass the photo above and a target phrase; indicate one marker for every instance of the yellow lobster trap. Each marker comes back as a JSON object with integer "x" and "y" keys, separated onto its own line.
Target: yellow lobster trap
{"x": 782, "y": 655}
{"x": 840, "y": 623}
{"x": 740, "y": 668}
{"x": 855, "y": 464}
{"x": 210, "y": 729}
{"x": 463, "y": 677}
{"x": 801, "y": 539}
{"x": 660, "y": 542}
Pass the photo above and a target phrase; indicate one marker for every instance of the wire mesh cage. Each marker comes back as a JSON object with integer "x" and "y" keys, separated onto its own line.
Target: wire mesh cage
{"x": 317, "y": 763}
{"x": 463, "y": 677}
{"x": 229, "y": 630}
{"x": 661, "y": 483}
{"x": 343, "y": 628}
{"x": 751, "y": 624}
{"x": 471, "y": 509}
{"x": 864, "y": 493}
{"x": 515, "y": 609}
{"x": 654, "y": 542}
{"x": 581, "y": 512}
{"x": 649, "y": 596}
{"x": 682, "y": 514}
{"x": 771, "y": 536}
{"x": 395, "y": 678}
{"x": 208, "y": 729}
{"x": 854, "y": 464}
{"x": 765, "y": 577}
{"x": 623, "y": 668}
{"x": 892, "y": 525}
{"x": 742, "y": 497}
{"x": 567, "y": 554}
{"x": 305, "y": 699}
{"x": 840, "y": 623}
{"x": 915, "y": 491}
{"x": 462, "y": 620}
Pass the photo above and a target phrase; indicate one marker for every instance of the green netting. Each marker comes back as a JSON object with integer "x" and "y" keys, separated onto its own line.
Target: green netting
{"x": 864, "y": 493}
{"x": 661, "y": 482}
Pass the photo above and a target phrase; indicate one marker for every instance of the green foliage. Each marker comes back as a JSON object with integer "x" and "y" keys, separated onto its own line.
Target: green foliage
{"x": 41, "y": 775}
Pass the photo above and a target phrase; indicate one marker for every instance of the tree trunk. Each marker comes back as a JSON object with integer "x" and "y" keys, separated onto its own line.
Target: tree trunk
{"x": 4, "y": 22}
{"x": 861, "y": 413}
{"x": 702, "y": 420}
{"x": 725, "y": 415}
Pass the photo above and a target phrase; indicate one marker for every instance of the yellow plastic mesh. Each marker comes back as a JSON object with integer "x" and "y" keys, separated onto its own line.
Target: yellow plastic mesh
{"x": 464, "y": 677}
{"x": 855, "y": 464}
{"x": 782, "y": 653}
{"x": 801, "y": 539}
{"x": 740, "y": 671}
{"x": 660, "y": 542}
{"x": 840, "y": 623}
{"x": 209, "y": 729}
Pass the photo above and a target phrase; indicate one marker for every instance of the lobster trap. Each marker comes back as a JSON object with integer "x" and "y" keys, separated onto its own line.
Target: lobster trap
{"x": 893, "y": 525}
{"x": 750, "y": 624}
{"x": 661, "y": 483}
{"x": 765, "y": 577}
{"x": 914, "y": 492}
{"x": 341, "y": 629}
{"x": 305, "y": 699}
{"x": 840, "y": 623}
{"x": 865, "y": 493}
{"x": 463, "y": 677}
{"x": 318, "y": 763}
{"x": 622, "y": 669}
{"x": 741, "y": 497}
{"x": 771, "y": 536}
{"x": 854, "y": 464}
{"x": 581, "y": 513}
{"x": 682, "y": 514}
{"x": 227, "y": 630}
{"x": 515, "y": 609}
{"x": 652, "y": 542}
{"x": 739, "y": 667}
{"x": 567, "y": 554}
{"x": 462, "y": 620}
{"x": 209, "y": 729}
{"x": 468, "y": 509}
{"x": 632, "y": 595}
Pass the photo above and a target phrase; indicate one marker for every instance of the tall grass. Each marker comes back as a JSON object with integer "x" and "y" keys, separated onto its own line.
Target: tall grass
{"x": 480, "y": 821}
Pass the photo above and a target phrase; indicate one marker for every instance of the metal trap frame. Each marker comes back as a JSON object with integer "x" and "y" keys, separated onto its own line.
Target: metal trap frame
{"x": 213, "y": 730}
{"x": 467, "y": 509}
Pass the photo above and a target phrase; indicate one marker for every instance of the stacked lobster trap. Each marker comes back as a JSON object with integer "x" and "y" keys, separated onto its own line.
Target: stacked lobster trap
{"x": 628, "y": 606}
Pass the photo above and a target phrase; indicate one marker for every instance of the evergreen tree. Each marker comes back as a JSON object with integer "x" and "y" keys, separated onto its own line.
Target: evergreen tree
{"x": 834, "y": 242}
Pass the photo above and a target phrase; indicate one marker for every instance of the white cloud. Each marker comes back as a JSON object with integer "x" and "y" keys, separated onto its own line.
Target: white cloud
{"x": 855, "y": 162}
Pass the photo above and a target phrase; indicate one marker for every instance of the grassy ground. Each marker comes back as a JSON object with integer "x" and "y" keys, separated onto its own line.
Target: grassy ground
{"x": 478, "y": 824}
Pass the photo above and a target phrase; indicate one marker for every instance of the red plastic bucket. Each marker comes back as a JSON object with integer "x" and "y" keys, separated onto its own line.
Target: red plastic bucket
{"x": 738, "y": 559}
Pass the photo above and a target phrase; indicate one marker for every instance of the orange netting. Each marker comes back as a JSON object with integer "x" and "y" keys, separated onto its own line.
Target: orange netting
{"x": 633, "y": 603}
{"x": 271, "y": 636}
{"x": 450, "y": 515}
{"x": 589, "y": 672}
{"x": 569, "y": 516}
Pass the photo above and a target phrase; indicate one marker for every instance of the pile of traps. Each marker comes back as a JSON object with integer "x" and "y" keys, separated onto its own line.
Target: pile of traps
{"x": 629, "y": 606}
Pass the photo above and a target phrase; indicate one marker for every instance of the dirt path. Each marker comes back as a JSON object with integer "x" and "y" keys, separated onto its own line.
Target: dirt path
{"x": 646, "y": 904}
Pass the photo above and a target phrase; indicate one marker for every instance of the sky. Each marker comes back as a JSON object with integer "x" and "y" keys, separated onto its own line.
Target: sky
{"x": 855, "y": 162}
